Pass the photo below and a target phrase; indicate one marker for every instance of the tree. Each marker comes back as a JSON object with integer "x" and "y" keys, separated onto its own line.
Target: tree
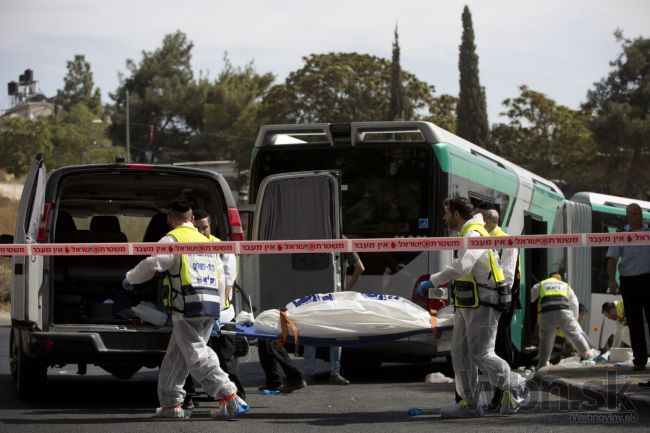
{"x": 21, "y": 140}
{"x": 442, "y": 112}
{"x": 78, "y": 87}
{"x": 396, "y": 92}
{"x": 78, "y": 132}
{"x": 342, "y": 87}
{"x": 472, "y": 123}
{"x": 163, "y": 113}
{"x": 230, "y": 114}
{"x": 619, "y": 109}
{"x": 546, "y": 138}
{"x": 79, "y": 137}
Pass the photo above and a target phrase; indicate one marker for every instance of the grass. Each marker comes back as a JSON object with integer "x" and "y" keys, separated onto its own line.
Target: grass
{"x": 8, "y": 210}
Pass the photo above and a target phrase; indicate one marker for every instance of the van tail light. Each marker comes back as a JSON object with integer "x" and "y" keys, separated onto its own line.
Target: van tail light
{"x": 236, "y": 231}
{"x": 41, "y": 236}
{"x": 435, "y": 300}
{"x": 47, "y": 345}
{"x": 140, "y": 166}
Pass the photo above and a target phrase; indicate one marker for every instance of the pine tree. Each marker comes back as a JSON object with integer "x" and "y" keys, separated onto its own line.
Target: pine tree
{"x": 78, "y": 86}
{"x": 471, "y": 110}
{"x": 396, "y": 91}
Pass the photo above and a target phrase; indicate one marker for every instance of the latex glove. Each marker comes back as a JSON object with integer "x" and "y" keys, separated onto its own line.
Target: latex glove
{"x": 215, "y": 328}
{"x": 127, "y": 286}
{"x": 423, "y": 288}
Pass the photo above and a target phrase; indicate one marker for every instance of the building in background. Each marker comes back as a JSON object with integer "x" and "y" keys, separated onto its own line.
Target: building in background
{"x": 26, "y": 100}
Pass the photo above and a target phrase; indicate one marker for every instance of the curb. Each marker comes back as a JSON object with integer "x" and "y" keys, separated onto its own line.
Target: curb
{"x": 594, "y": 391}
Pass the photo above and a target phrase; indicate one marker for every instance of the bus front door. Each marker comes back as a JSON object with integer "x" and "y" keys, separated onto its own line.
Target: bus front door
{"x": 534, "y": 268}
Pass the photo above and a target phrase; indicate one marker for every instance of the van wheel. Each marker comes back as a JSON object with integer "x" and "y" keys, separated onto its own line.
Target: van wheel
{"x": 32, "y": 376}
{"x": 13, "y": 355}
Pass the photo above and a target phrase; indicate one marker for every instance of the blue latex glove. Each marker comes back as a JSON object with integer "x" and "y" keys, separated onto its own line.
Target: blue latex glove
{"x": 423, "y": 288}
{"x": 127, "y": 286}
{"x": 414, "y": 411}
{"x": 215, "y": 328}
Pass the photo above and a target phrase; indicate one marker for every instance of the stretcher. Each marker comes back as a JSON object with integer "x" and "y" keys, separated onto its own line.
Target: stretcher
{"x": 343, "y": 319}
{"x": 361, "y": 340}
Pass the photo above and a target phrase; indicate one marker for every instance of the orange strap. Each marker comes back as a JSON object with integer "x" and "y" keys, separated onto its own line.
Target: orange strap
{"x": 285, "y": 323}
{"x": 223, "y": 400}
{"x": 434, "y": 320}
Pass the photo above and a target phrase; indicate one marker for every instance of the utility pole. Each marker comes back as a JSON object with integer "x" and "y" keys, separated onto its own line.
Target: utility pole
{"x": 128, "y": 131}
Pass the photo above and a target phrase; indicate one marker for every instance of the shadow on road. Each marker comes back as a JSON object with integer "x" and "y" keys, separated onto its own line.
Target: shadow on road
{"x": 69, "y": 392}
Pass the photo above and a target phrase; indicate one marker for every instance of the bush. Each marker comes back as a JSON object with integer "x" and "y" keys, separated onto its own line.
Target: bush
{"x": 5, "y": 280}
{"x": 8, "y": 210}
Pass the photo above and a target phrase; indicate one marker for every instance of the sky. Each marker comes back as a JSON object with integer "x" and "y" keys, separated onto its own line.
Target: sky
{"x": 557, "y": 47}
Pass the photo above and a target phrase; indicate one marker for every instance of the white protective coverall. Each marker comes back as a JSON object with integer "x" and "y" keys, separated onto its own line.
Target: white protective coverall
{"x": 229, "y": 262}
{"x": 566, "y": 320}
{"x": 188, "y": 351}
{"x": 475, "y": 329}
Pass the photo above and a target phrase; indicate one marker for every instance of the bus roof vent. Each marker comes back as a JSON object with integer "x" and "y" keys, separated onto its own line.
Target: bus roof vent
{"x": 282, "y": 135}
{"x": 340, "y": 133}
{"x": 396, "y": 132}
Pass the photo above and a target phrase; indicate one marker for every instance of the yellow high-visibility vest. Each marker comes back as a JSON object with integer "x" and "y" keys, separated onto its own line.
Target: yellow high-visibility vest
{"x": 466, "y": 289}
{"x": 198, "y": 275}
{"x": 620, "y": 311}
{"x": 553, "y": 295}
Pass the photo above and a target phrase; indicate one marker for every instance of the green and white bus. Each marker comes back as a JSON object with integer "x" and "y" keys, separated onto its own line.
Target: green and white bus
{"x": 394, "y": 176}
{"x": 607, "y": 215}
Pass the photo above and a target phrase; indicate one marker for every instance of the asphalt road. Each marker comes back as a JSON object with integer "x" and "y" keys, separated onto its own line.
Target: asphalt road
{"x": 376, "y": 401}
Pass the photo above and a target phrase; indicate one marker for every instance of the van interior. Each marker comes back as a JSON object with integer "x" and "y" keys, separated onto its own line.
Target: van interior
{"x": 110, "y": 208}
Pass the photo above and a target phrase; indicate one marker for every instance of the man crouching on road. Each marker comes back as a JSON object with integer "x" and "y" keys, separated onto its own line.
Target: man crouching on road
{"x": 193, "y": 282}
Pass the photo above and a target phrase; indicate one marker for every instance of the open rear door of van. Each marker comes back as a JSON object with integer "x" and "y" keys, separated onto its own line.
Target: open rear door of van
{"x": 28, "y": 270}
{"x": 292, "y": 206}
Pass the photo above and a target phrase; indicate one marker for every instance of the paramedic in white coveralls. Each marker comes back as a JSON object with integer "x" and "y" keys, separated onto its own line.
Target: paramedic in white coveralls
{"x": 475, "y": 275}
{"x": 194, "y": 282}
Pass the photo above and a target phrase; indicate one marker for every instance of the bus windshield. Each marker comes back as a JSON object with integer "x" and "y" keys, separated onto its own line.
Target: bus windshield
{"x": 385, "y": 190}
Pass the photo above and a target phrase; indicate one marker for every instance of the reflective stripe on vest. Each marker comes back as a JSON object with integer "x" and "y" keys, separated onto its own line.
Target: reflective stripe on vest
{"x": 553, "y": 295}
{"x": 199, "y": 277}
{"x": 498, "y": 231}
{"x": 466, "y": 289}
{"x": 620, "y": 312}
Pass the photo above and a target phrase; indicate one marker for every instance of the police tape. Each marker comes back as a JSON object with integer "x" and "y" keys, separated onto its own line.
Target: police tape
{"x": 329, "y": 245}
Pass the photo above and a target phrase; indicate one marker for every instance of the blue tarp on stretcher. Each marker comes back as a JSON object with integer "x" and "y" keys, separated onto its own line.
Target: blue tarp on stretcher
{"x": 250, "y": 331}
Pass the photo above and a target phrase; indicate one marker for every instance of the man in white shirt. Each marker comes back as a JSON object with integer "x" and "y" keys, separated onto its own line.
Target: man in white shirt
{"x": 634, "y": 271}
